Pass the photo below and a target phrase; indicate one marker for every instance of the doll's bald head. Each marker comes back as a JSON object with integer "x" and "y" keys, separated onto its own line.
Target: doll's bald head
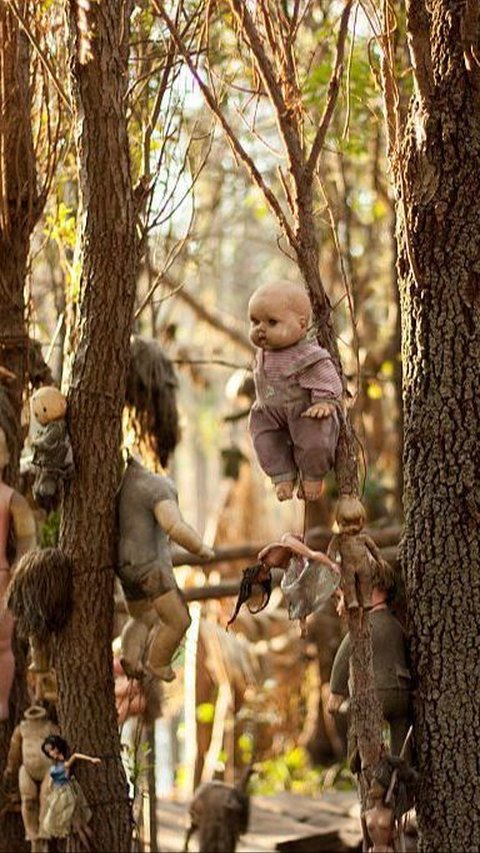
{"x": 279, "y": 315}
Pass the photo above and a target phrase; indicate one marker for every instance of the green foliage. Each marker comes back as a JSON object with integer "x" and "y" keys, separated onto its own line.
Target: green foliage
{"x": 293, "y": 772}
{"x": 50, "y": 530}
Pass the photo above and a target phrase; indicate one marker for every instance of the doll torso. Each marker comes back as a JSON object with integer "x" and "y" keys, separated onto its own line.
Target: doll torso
{"x": 353, "y": 552}
{"x": 142, "y": 540}
{"x": 52, "y": 448}
{"x": 34, "y": 733}
{"x": 277, "y": 374}
{"x": 6, "y": 493}
{"x": 59, "y": 774}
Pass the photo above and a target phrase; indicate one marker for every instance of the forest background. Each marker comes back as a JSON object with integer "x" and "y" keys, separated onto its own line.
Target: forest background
{"x": 179, "y": 198}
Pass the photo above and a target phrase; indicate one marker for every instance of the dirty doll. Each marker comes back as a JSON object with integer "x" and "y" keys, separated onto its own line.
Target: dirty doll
{"x": 294, "y": 422}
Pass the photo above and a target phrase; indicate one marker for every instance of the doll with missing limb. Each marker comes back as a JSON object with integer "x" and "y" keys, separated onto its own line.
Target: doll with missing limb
{"x": 52, "y": 451}
{"x": 30, "y": 765}
{"x": 357, "y": 553}
{"x": 15, "y": 516}
{"x": 294, "y": 422}
{"x": 309, "y": 578}
{"x": 149, "y": 518}
{"x": 66, "y": 809}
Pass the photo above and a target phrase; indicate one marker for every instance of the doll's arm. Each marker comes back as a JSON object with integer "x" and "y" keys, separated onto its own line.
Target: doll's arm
{"x": 377, "y": 554}
{"x": 23, "y": 525}
{"x": 333, "y": 550}
{"x": 79, "y": 756}
{"x": 341, "y": 669}
{"x": 171, "y": 521}
{"x": 14, "y": 757}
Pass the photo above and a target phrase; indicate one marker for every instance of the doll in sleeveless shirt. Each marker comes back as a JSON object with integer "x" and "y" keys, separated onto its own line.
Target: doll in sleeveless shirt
{"x": 66, "y": 809}
{"x": 15, "y": 513}
{"x": 294, "y": 422}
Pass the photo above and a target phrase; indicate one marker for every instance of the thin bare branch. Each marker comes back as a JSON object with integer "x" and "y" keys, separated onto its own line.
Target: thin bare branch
{"x": 287, "y": 123}
{"x": 44, "y": 59}
{"x": 332, "y": 94}
{"x": 214, "y": 320}
{"x": 237, "y": 147}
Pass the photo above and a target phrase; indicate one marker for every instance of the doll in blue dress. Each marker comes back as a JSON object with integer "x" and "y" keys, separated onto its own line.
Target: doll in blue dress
{"x": 66, "y": 809}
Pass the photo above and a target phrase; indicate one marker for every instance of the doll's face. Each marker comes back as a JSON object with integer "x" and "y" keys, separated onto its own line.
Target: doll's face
{"x": 275, "y": 321}
{"x": 48, "y": 404}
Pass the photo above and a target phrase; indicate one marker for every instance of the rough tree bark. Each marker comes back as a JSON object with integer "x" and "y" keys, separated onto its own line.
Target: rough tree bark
{"x": 438, "y": 182}
{"x": 20, "y": 206}
{"x": 96, "y": 397}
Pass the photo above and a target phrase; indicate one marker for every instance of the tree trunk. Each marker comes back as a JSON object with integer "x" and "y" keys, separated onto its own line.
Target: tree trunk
{"x": 19, "y": 209}
{"x": 96, "y": 399}
{"x": 439, "y": 270}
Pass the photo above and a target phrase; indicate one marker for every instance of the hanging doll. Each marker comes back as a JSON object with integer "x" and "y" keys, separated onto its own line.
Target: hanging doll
{"x": 29, "y": 764}
{"x": 15, "y": 516}
{"x": 52, "y": 451}
{"x": 390, "y": 666}
{"x": 294, "y": 422}
{"x": 149, "y": 518}
{"x": 66, "y": 809}
{"x": 40, "y": 598}
{"x": 309, "y": 578}
{"x": 357, "y": 553}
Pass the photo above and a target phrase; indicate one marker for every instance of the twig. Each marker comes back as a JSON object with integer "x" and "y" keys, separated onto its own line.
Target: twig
{"x": 238, "y": 149}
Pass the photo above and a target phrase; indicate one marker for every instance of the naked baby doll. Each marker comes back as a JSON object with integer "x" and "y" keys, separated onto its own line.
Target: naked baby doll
{"x": 294, "y": 422}
{"x": 52, "y": 451}
{"x": 149, "y": 517}
{"x": 356, "y": 552}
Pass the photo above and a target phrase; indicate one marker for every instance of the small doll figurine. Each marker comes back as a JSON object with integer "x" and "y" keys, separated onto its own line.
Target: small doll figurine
{"x": 294, "y": 422}
{"x": 309, "y": 578}
{"x": 15, "y": 515}
{"x": 66, "y": 809}
{"x": 149, "y": 517}
{"x": 356, "y": 552}
{"x": 52, "y": 451}
{"x": 391, "y": 795}
{"x": 29, "y": 764}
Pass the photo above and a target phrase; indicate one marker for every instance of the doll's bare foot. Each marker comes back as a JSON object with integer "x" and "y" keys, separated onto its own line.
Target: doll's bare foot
{"x": 310, "y": 490}
{"x": 284, "y": 491}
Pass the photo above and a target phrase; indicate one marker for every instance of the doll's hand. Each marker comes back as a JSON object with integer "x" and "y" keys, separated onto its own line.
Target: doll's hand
{"x": 335, "y": 700}
{"x": 323, "y": 409}
{"x": 206, "y": 552}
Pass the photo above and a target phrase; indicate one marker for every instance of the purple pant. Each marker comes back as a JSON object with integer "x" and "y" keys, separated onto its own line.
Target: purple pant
{"x": 287, "y": 444}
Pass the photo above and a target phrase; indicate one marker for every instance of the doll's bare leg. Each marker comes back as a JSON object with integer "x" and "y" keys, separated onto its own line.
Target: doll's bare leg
{"x": 310, "y": 490}
{"x": 284, "y": 490}
{"x": 7, "y": 661}
{"x": 30, "y": 808}
{"x": 135, "y": 635}
{"x": 166, "y": 637}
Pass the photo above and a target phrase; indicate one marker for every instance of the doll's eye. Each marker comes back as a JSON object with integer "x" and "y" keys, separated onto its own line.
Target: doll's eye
{"x": 254, "y": 321}
{"x": 44, "y": 409}
{"x": 272, "y": 322}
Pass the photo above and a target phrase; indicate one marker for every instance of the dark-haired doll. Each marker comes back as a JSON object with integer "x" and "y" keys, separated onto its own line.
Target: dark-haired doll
{"x": 66, "y": 810}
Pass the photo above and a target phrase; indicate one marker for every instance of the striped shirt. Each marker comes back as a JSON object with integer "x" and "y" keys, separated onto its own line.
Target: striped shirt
{"x": 321, "y": 378}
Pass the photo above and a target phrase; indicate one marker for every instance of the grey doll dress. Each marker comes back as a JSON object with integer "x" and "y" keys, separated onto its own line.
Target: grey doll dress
{"x": 66, "y": 806}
